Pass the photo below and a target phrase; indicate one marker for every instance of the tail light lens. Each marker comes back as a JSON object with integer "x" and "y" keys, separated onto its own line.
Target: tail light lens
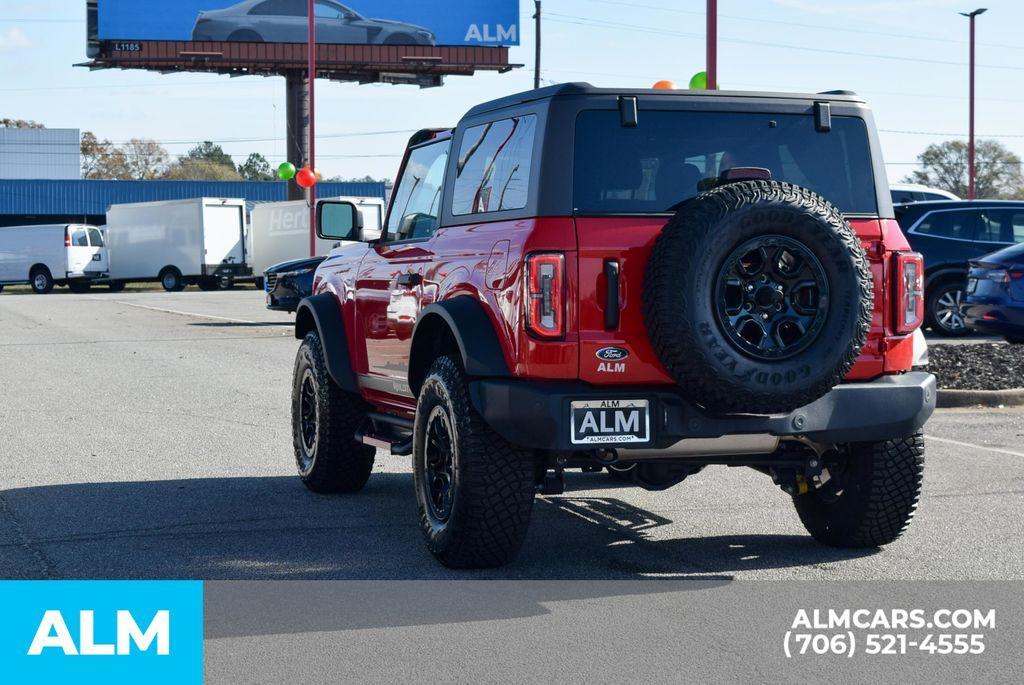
{"x": 545, "y": 294}
{"x": 67, "y": 237}
{"x": 910, "y": 291}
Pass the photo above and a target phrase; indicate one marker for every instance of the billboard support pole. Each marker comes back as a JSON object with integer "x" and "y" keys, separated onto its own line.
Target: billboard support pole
{"x": 712, "y": 45}
{"x": 296, "y": 130}
{"x": 312, "y": 126}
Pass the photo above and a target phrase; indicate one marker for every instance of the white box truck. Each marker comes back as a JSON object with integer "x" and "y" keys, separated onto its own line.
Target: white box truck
{"x": 279, "y": 231}
{"x": 74, "y": 255}
{"x": 197, "y": 241}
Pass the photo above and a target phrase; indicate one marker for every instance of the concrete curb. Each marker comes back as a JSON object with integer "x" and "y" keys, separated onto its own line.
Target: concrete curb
{"x": 985, "y": 398}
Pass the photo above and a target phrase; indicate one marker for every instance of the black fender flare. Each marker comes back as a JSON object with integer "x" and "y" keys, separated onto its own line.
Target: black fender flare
{"x": 474, "y": 334}
{"x": 322, "y": 314}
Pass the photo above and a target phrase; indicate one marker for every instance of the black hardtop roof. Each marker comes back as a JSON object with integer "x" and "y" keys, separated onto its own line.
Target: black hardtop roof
{"x": 584, "y": 90}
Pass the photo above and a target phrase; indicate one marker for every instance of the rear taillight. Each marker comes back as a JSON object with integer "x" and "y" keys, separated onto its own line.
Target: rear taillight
{"x": 67, "y": 237}
{"x": 909, "y": 291}
{"x": 545, "y": 294}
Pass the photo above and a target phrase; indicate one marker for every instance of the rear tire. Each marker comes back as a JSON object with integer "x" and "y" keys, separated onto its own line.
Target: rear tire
{"x": 208, "y": 284}
{"x": 872, "y": 500}
{"x": 116, "y": 286}
{"x": 41, "y": 280}
{"x": 171, "y": 280}
{"x": 1015, "y": 339}
{"x": 79, "y": 287}
{"x": 944, "y": 310}
{"x": 325, "y": 419}
{"x": 474, "y": 490}
{"x": 259, "y": 283}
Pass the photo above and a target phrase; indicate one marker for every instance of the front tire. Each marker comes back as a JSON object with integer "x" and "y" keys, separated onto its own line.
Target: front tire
{"x": 116, "y": 286}
{"x": 871, "y": 500}
{"x": 325, "y": 419}
{"x": 474, "y": 490}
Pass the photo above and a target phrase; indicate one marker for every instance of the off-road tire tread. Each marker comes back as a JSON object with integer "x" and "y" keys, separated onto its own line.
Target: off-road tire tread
{"x": 886, "y": 498}
{"x": 675, "y": 338}
{"x": 496, "y": 488}
{"x": 342, "y": 464}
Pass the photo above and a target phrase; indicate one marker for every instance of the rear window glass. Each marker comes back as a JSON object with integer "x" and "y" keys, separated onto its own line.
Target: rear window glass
{"x": 78, "y": 238}
{"x": 95, "y": 238}
{"x": 493, "y": 173}
{"x": 663, "y": 161}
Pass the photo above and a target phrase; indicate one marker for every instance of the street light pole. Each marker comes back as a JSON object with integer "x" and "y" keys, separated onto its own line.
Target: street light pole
{"x": 536, "y": 56}
{"x": 970, "y": 143}
{"x": 312, "y": 129}
{"x": 712, "y": 45}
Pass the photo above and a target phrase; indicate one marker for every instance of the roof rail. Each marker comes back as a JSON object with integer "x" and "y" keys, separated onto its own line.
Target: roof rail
{"x": 836, "y": 92}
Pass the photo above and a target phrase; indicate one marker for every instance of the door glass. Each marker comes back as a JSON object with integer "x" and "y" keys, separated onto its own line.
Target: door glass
{"x": 418, "y": 195}
{"x": 79, "y": 238}
{"x": 1003, "y": 226}
{"x": 95, "y": 238}
{"x": 327, "y": 10}
{"x": 958, "y": 225}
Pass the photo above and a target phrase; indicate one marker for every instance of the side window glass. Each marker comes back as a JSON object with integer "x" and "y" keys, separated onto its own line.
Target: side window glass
{"x": 493, "y": 172}
{"x": 95, "y": 238}
{"x": 417, "y": 198}
{"x": 990, "y": 228}
{"x": 900, "y": 196}
{"x": 1017, "y": 224}
{"x": 960, "y": 225}
{"x": 78, "y": 238}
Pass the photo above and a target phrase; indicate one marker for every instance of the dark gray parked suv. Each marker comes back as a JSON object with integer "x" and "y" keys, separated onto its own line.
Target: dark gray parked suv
{"x": 285, "y": 21}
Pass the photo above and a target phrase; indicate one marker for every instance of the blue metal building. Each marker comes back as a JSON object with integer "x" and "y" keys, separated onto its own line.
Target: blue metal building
{"x": 45, "y": 201}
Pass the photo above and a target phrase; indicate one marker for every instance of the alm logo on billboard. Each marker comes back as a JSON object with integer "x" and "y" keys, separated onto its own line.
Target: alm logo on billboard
{"x": 485, "y": 33}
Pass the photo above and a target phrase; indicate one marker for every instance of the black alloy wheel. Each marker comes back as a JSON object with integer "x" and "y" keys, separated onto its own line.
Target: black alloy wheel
{"x": 440, "y": 464}
{"x": 772, "y": 297}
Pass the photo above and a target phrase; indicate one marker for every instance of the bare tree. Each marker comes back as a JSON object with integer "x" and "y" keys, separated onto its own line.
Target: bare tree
{"x": 19, "y": 123}
{"x": 997, "y": 169}
{"x": 101, "y": 159}
{"x": 147, "y": 159}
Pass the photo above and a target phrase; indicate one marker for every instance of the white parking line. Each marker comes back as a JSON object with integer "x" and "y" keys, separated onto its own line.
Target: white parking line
{"x": 971, "y": 444}
{"x": 201, "y": 316}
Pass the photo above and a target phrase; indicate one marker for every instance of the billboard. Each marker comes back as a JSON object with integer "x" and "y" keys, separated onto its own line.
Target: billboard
{"x": 358, "y": 22}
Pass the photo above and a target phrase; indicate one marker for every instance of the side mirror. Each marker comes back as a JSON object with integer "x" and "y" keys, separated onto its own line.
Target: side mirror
{"x": 338, "y": 220}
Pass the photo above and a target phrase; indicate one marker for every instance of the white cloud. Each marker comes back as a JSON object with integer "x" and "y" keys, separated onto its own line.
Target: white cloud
{"x": 13, "y": 39}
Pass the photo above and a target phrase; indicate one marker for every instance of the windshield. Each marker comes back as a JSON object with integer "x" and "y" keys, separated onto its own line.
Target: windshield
{"x": 673, "y": 155}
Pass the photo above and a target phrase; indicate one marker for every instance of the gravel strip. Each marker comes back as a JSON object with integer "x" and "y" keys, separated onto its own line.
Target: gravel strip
{"x": 984, "y": 366}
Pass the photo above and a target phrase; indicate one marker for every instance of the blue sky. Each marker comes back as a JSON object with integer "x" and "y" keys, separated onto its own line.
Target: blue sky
{"x": 908, "y": 58}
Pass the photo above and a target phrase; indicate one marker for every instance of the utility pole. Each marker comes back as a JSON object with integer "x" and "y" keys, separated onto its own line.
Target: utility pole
{"x": 712, "y": 45}
{"x": 312, "y": 126}
{"x": 536, "y": 57}
{"x": 970, "y": 143}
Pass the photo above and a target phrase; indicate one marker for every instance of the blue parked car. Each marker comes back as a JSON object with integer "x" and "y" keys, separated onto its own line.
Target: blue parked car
{"x": 995, "y": 293}
{"x": 288, "y": 282}
{"x": 950, "y": 234}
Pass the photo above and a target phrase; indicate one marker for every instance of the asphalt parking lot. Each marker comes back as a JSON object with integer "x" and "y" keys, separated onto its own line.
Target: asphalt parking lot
{"x": 146, "y": 435}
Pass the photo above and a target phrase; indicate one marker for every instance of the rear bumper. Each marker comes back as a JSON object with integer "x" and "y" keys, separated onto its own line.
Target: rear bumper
{"x": 535, "y": 414}
{"x": 995, "y": 317}
{"x": 226, "y": 270}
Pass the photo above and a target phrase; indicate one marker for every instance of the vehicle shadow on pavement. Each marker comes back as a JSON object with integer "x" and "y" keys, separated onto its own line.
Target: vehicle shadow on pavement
{"x": 272, "y": 528}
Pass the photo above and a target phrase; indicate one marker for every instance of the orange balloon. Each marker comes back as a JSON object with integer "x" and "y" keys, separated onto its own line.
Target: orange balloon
{"x": 305, "y": 178}
{"x": 664, "y": 85}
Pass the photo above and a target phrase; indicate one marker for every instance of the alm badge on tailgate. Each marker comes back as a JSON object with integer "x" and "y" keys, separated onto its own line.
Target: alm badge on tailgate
{"x": 610, "y": 421}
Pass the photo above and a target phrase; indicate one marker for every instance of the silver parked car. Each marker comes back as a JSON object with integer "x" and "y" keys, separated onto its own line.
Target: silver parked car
{"x": 285, "y": 21}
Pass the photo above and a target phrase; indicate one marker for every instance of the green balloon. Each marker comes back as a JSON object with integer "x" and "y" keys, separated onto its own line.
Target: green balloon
{"x": 286, "y": 171}
{"x": 699, "y": 81}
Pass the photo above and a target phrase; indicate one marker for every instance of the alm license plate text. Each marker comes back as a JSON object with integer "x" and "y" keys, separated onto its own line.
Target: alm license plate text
{"x": 610, "y": 421}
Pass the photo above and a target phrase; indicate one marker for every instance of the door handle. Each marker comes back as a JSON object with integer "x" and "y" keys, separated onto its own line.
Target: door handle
{"x": 409, "y": 280}
{"x": 611, "y": 308}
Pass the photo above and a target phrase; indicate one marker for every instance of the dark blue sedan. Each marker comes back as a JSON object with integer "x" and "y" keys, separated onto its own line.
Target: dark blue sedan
{"x": 995, "y": 293}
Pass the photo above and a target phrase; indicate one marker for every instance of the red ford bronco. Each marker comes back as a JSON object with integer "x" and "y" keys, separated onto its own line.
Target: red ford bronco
{"x": 643, "y": 281}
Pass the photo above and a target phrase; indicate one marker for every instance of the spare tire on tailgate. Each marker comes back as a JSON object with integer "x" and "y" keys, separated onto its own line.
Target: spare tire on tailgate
{"x": 758, "y": 297}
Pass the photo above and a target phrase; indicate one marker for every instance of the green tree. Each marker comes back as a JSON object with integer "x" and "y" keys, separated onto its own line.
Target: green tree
{"x": 997, "y": 169}
{"x": 19, "y": 123}
{"x": 256, "y": 168}
{"x": 210, "y": 152}
{"x": 200, "y": 170}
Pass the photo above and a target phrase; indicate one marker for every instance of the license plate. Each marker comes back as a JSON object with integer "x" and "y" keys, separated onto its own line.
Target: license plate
{"x": 610, "y": 421}
{"x": 97, "y": 257}
{"x": 972, "y": 285}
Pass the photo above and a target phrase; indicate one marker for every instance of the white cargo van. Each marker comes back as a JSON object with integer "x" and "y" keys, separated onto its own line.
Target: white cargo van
{"x": 74, "y": 255}
{"x": 279, "y": 231}
{"x": 198, "y": 241}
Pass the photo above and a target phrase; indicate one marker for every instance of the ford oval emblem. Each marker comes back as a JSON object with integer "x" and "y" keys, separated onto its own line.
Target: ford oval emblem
{"x": 612, "y": 354}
